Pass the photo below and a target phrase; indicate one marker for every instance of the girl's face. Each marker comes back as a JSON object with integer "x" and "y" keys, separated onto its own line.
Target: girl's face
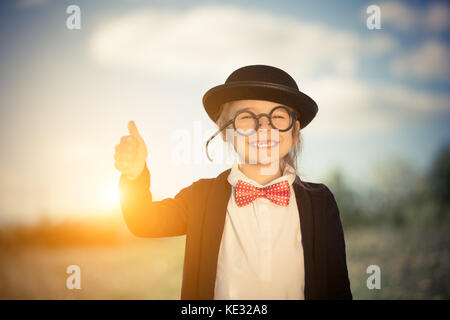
{"x": 267, "y": 145}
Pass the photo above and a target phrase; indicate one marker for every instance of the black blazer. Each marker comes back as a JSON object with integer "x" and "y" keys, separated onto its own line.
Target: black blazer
{"x": 198, "y": 211}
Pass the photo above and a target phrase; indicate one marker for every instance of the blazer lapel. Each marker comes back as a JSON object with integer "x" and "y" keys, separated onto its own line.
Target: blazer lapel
{"x": 307, "y": 229}
{"x": 213, "y": 224}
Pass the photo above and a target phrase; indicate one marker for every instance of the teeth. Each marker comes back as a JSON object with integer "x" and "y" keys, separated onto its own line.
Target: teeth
{"x": 264, "y": 144}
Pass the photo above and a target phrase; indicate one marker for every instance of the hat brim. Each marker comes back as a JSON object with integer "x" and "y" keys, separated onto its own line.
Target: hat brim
{"x": 245, "y": 90}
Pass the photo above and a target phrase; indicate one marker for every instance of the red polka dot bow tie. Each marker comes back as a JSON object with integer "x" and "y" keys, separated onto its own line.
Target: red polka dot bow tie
{"x": 245, "y": 193}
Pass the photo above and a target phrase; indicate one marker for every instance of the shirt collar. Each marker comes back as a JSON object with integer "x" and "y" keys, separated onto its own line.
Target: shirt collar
{"x": 236, "y": 174}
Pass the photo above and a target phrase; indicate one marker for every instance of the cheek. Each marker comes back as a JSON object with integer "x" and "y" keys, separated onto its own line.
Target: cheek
{"x": 286, "y": 142}
{"x": 240, "y": 142}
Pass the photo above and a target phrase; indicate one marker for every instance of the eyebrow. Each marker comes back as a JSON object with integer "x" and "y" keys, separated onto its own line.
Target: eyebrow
{"x": 253, "y": 109}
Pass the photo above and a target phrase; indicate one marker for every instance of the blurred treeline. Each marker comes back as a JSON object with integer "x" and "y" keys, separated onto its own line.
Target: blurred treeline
{"x": 399, "y": 222}
{"x": 107, "y": 231}
{"x": 400, "y": 196}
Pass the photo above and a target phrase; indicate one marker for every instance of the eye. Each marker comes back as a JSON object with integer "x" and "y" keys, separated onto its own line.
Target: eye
{"x": 245, "y": 116}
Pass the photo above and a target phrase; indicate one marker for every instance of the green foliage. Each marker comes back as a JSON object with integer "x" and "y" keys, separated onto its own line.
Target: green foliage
{"x": 400, "y": 194}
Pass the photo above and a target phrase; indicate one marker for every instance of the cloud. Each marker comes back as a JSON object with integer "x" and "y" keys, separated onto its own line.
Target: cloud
{"x": 212, "y": 40}
{"x": 428, "y": 61}
{"x": 434, "y": 18}
{"x": 348, "y": 105}
{"x": 438, "y": 17}
{"x": 397, "y": 14}
{"x": 380, "y": 44}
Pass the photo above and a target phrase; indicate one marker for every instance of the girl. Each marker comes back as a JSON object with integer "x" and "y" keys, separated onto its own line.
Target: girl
{"x": 256, "y": 231}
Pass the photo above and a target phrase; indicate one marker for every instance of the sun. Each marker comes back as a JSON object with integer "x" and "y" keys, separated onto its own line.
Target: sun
{"x": 110, "y": 196}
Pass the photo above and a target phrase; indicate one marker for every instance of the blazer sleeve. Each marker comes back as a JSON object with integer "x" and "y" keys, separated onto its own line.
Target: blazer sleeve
{"x": 153, "y": 219}
{"x": 337, "y": 274}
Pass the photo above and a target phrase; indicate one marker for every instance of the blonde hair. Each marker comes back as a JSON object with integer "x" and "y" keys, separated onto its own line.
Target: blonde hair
{"x": 291, "y": 158}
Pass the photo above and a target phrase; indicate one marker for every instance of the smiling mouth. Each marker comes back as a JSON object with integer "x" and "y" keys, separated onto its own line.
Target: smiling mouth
{"x": 263, "y": 144}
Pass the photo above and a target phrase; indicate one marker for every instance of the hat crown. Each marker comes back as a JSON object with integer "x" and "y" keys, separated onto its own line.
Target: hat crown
{"x": 262, "y": 73}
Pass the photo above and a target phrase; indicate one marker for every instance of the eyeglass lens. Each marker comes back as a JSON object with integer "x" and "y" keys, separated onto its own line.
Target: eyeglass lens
{"x": 247, "y": 121}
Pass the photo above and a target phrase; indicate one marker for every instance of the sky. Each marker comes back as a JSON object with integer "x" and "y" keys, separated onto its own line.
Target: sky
{"x": 66, "y": 95}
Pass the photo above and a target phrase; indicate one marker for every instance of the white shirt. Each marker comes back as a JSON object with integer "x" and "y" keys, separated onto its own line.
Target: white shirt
{"x": 261, "y": 253}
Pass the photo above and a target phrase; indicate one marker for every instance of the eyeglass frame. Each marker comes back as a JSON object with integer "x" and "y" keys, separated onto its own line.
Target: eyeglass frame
{"x": 292, "y": 114}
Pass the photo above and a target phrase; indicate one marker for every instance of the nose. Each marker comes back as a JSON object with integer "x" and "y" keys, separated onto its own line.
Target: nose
{"x": 264, "y": 123}
{"x": 264, "y": 130}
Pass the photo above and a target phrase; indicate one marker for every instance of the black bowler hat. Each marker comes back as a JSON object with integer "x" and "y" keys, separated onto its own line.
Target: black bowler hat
{"x": 260, "y": 82}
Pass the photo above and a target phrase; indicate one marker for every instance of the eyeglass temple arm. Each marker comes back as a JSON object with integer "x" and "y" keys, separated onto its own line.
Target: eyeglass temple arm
{"x": 214, "y": 135}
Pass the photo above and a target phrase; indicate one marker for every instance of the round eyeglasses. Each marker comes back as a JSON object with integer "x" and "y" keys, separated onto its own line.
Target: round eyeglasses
{"x": 247, "y": 123}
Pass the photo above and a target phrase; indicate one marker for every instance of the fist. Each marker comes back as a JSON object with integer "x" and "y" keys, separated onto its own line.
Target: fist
{"x": 131, "y": 153}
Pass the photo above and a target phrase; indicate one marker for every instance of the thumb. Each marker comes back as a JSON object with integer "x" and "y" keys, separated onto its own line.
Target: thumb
{"x": 133, "y": 130}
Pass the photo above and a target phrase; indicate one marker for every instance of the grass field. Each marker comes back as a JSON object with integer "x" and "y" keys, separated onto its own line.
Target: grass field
{"x": 414, "y": 265}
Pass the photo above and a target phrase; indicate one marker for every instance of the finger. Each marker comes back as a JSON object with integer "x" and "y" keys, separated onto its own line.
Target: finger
{"x": 121, "y": 148}
{"x": 124, "y": 139}
{"x": 125, "y": 152}
{"x": 126, "y": 148}
{"x": 133, "y": 130}
{"x": 121, "y": 165}
{"x": 132, "y": 141}
{"x": 123, "y": 156}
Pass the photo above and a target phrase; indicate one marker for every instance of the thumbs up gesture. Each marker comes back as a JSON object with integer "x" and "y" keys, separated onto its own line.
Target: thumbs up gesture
{"x": 131, "y": 153}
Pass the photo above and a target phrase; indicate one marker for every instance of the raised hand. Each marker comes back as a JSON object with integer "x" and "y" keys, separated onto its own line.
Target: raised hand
{"x": 131, "y": 153}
